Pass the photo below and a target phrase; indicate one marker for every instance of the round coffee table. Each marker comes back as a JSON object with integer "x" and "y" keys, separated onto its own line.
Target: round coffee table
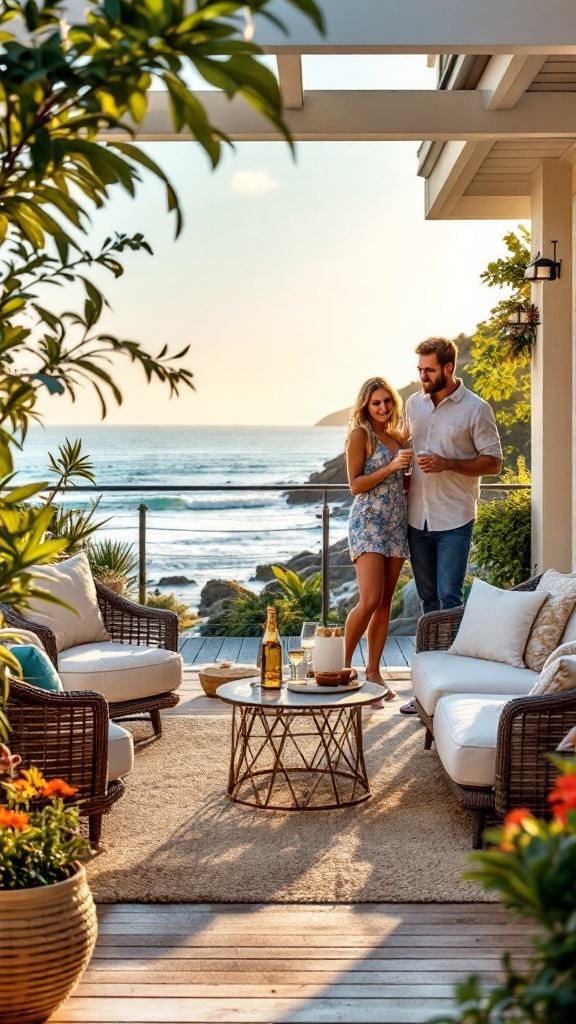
{"x": 296, "y": 751}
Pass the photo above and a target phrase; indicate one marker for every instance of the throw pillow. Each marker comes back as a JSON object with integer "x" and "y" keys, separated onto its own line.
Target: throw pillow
{"x": 559, "y": 675}
{"x": 37, "y": 669}
{"x": 547, "y": 628}
{"x": 496, "y": 623}
{"x": 561, "y": 583}
{"x": 569, "y": 648}
{"x": 71, "y": 580}
{"x": 8, "y": 637}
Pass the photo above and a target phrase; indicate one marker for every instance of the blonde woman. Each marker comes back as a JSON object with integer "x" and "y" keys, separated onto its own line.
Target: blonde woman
{"x": 377, "y": 529}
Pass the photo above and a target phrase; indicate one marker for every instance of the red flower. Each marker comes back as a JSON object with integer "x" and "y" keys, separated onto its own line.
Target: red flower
{"x": 57, "y": 787}
{"x": 13, "y": 819}
{"x": 563, "y": 797}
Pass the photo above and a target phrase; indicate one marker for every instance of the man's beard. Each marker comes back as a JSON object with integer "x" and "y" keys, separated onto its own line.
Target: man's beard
{"x": 430, "y": 387}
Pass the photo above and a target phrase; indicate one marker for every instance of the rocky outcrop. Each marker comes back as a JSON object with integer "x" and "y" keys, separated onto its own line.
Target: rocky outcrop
{"x": 215, "y": 592}
{"x": 307, "y": 562}
{"x": 179, "y": 581}
{"x": 334, "y": 472}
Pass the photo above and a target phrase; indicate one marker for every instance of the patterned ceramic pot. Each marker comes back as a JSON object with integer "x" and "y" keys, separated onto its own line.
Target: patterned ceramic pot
{"x": 47, "y": 936}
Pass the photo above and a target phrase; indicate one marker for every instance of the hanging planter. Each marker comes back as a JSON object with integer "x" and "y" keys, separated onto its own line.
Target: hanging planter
{"x": 518, "y": 330}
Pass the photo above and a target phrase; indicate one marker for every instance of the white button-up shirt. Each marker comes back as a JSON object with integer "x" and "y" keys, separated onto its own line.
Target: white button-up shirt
{"x": 461, "y": 426}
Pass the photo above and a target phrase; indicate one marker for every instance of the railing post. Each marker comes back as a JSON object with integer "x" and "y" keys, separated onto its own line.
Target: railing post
{"x": 325, "y": 558}
{"x": 142, "y": 509}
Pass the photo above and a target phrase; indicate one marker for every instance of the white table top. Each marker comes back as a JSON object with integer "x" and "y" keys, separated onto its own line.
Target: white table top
{"x": 242, "y": 691}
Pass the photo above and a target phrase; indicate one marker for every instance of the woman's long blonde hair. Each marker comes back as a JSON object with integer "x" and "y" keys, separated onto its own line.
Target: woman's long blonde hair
{"x": 361, "y": 418}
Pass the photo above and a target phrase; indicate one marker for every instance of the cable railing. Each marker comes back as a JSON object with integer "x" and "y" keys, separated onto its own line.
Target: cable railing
{"x": 324, "y": 492}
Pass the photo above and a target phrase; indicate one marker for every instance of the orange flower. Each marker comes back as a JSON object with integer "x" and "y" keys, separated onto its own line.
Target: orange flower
{"x": 13, "y": 819}
{"x": 516, "y": 817}
{"x": 57, "y": 787}
{"x": 513, "y": 826}
{"x": 563, "y": 797}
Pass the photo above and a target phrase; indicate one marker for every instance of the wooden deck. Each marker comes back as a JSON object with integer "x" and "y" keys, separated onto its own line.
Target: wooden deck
{"x": 294, "y": 963}
{"x": 199, "y": 650}
{"x": 290, "y": 963}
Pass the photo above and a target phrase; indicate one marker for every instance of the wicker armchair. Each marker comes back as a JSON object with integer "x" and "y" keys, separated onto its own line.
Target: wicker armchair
{"x": 127, "y": 623}
{"x": 66, "y": 735}
{"x": 436, "y": 632}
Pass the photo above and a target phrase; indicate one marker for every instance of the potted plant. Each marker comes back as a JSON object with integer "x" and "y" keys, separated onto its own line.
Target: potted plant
{"x": 532, "y": 864}
{"x": 47, "y": 914}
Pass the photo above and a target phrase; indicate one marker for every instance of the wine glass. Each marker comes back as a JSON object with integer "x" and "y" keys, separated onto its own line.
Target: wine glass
{"x": 295, "y": 655}
{"x": 307, "y": 643}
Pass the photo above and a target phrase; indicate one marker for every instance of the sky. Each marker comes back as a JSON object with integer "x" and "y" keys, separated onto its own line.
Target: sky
{"x": 293, "y": 280}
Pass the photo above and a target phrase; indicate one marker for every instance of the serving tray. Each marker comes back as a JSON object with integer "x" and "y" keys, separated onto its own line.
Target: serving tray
{"x": 311, "y": 687}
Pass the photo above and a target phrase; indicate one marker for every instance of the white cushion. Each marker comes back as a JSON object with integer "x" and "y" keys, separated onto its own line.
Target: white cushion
{"x": 465, "y": 734}
{"x": 120, "y": 671}
{"x": 120, "y": 752}
{"x": 437, "y": 673}
{"x": 557, "y": 676}
{"x": 71, "y": 580}
{"x": 496, "y": 623}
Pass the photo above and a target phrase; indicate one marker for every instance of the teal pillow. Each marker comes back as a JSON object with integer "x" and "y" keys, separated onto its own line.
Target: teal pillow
{"x": 37, "y": 669}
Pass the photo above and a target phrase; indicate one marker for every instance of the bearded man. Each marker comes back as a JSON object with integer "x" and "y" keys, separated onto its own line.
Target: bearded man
{"x": 455, "y": 442}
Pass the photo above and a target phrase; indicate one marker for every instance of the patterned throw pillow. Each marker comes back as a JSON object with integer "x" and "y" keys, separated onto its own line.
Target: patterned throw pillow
{"x": 558, "y": 676}
{"x": 547, "y": 628}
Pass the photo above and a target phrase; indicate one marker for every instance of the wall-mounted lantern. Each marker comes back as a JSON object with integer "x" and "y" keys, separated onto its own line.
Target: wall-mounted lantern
{"x": 543, "y": 269}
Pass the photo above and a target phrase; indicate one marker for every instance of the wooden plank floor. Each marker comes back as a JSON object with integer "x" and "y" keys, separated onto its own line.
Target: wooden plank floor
{"x": 292, "y": 963}
{"x": 285, "y": 963}
{"x": 200, "y": 650}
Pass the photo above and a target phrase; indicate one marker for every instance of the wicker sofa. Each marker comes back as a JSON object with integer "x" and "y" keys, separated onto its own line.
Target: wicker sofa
{"x": 490, "y": 735}
{"x": 139, "y": 677}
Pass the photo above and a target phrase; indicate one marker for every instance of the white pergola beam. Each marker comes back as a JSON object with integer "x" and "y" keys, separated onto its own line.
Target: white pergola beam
{"x": 507, "y": 78}
{"x": 411, "y": 115}
{"x": 453, "y": 172}
{"x": 427, "y": 26}
{"x": 290, "y": 76}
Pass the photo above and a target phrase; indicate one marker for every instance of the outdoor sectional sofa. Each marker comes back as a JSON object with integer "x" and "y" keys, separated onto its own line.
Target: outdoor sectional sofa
{"x": 490, "y": 735}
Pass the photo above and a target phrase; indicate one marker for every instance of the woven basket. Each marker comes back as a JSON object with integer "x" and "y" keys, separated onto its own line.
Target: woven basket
{"x": 212, "y": 676}
{"x": 47, "y": 935}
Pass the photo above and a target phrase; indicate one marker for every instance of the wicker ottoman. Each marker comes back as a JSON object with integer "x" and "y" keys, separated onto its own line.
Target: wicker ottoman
{"x": 212, "y": 676}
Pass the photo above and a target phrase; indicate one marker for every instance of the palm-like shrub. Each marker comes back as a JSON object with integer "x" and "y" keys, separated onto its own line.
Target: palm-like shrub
{"x": 112, "y": 562}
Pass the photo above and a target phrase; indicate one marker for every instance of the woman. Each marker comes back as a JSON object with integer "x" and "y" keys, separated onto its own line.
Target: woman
{"x": 378, "y": 527}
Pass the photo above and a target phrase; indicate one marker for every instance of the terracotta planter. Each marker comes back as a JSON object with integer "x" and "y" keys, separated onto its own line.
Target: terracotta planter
{"x": 46, "y": 939}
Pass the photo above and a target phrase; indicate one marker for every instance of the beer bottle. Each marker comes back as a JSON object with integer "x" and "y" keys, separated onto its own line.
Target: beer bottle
{"x": 271, "y": 661}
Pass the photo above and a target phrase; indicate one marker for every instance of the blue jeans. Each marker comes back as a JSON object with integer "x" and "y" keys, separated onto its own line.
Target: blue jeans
{"x": 439, "y": 561}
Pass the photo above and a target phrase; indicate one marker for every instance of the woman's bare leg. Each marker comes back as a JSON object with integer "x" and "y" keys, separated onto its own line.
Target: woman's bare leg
{"x": 370, "y": 576}
{"x": 380, "y": 620}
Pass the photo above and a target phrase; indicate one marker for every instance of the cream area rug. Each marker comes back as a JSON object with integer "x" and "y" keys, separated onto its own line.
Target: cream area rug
{"x": 175, "y": 837}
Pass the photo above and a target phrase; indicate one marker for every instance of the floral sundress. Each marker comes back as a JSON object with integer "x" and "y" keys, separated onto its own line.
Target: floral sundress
{"x": 378, "y": 521}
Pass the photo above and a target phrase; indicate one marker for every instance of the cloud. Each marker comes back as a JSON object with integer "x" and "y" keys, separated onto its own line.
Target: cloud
{"x": 252, "y": 183}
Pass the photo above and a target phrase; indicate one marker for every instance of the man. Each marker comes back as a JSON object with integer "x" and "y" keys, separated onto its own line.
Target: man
{"x": 455, "y": 442}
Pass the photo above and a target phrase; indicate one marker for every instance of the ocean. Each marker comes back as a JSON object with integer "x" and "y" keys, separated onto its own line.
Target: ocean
{"x": 206, "y": 535}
